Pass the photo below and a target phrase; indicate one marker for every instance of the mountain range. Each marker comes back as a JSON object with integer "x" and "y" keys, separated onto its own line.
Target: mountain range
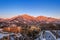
{"x": 27, "y": 19}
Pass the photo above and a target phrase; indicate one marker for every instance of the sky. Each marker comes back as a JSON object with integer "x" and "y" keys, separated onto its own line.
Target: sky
{"x": 10, "y": 8}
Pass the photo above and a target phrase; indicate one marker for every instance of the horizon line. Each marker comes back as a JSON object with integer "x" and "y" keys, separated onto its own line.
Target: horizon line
{"x": 28, "y": 15}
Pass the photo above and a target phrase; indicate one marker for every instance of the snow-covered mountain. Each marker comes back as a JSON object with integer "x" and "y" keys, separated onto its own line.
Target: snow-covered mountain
{"x": 29, "y": 20}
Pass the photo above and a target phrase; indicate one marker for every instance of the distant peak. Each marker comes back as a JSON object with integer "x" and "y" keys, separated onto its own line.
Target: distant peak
{"x": 25, "y": 14}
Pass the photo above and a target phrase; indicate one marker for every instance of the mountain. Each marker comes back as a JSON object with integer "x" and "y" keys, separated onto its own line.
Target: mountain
{"x": 27, "y": 19}
{"x": 46, "y": 19}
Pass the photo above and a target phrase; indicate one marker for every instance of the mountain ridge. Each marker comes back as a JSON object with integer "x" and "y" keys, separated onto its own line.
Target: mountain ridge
{"x": 27, "y": 19}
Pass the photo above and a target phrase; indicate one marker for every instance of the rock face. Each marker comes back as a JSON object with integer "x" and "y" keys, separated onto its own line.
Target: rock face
{"x": 27, "y": 20}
